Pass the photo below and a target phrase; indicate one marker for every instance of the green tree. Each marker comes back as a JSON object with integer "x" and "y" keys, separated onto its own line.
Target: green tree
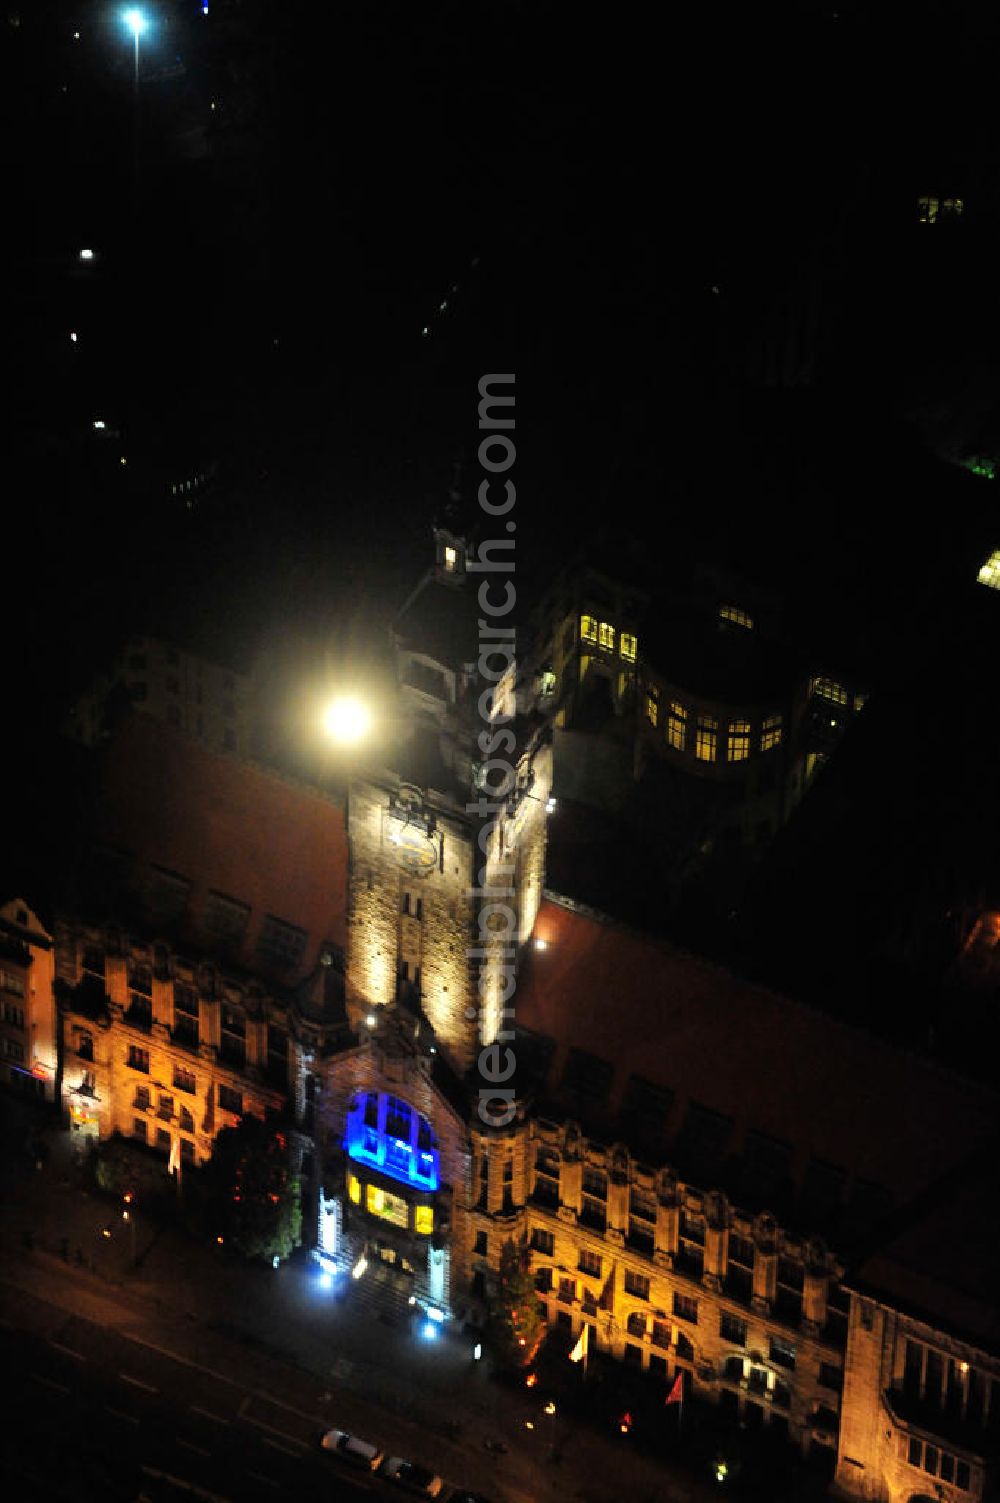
{"x": 516, "y": 1312}
{"x": 254, "y": 1199}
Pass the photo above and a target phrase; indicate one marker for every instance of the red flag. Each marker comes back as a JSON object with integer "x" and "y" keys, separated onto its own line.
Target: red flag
{"x": 676, "y": 1394}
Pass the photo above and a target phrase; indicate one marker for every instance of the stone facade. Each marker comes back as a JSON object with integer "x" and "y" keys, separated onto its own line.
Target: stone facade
{"x": 167, "y": 1050}
{"x": 421, "y": 889}
{"x": 921, "y": 1410}
{"x": 669, "y": 1277}
{"x": 28, "y": 1052}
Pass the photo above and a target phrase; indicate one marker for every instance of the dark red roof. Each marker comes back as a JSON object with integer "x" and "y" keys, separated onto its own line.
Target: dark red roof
{"x": 831, "y": 1092}
{"x": 226, "y": 826}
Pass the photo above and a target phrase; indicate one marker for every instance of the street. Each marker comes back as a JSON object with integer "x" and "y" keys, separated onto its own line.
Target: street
{"x": 95, "y": 1414}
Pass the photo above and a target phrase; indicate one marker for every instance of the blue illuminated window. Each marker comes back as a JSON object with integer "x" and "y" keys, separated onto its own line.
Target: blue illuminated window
{"x": 387, "y": 1133}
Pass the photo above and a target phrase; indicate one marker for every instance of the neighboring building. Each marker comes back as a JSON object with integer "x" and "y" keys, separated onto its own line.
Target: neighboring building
{"x": 699, "y": 679}
{"x": 27, "y": 1007}
{"x": 207, "y": 701}
{"x": 167, "y": 1048}
{"x": 921, "y": 1401}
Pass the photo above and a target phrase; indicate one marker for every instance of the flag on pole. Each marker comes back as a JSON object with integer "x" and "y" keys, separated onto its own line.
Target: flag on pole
{"x": 174, "y": 1164}
{"x": 676, "y": 1394}
{"x": 579, "y": 1352}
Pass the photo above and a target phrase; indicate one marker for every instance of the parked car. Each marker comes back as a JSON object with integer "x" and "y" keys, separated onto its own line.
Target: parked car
{"x": 416, "y": 1479}
{"x": 351, "y": 1448}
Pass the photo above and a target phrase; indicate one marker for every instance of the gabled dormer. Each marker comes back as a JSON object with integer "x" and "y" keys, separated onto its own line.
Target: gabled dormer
{"x": 451, "y": 552}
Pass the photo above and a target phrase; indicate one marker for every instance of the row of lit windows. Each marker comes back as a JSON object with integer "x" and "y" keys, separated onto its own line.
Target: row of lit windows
{"x": 828, "y": 688}
{"x": 389, "y": 1207}
{"x": 738, "y": 734}
{"x": 736, "y": 616}
{"x": 930, "y": 210}
{"x": 603, "y": 634}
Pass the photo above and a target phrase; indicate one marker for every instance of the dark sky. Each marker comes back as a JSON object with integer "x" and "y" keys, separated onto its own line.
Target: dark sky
{"x": 680, "y": 228}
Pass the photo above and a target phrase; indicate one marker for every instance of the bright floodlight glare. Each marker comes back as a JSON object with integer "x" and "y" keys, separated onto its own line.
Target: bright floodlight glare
{"x": 429, "y": 1331}
{"x": 135, "y": 21}
{"x": 86, "y": 254}
{"x": 326, "y": 1280}
{"x": 346, "y": 720}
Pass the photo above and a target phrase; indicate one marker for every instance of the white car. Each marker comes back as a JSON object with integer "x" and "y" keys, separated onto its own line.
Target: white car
{"x": 416, "y": 1479}
{"x": 351, "y": 1448}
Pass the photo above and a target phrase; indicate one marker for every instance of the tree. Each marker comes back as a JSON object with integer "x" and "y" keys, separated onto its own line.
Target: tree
{"x": 516, "y": 1312}
{"x": 254, "y": 1197}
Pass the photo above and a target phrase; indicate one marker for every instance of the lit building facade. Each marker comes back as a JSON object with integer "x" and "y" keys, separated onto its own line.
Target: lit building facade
{"x": 28, "y": 1034}
{"x": 704, "y": 681}
{"x": 166, "y": 1050}
{"x": 921, "y": 1409}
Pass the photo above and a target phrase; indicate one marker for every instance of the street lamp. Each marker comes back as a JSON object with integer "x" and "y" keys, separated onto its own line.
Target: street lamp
{"x": 550, "y": 1410}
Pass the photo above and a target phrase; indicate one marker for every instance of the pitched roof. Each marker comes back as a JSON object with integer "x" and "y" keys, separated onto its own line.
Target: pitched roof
{"x": 211, "y": 824}
{"x": 761, "y": 1093}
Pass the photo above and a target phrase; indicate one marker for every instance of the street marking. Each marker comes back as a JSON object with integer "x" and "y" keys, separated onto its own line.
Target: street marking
{"x": 188, "y": 1487}
{"x": 59, "y": 1387}
{"x": 184, "y": 1361}
{"x": 197, "y": 1409}
{"x": 190, "y": 1446}
{"x": 267, "y": 1441}
{"x": 259, "y": 1477}
{"x": 138, "y": 1383}
{"x": 263, "y": 1425}
{"x": 58, "y": 1346}
{"x": 266, "y": 1398}
{"x": 120, "y": 1414}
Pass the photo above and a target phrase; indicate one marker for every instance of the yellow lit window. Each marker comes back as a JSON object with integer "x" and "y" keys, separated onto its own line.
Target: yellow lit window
{"x": 739, "y": 741}
{"x": 354, "y": 1188}
{"x": 628, "y": 646}
{"x": 927, "y": 210}
{"x": 450, "y": 559}
{"x": 706, "y": 738}
{"x": 951, "y": 208}
{"x": 607, "y": 636}
{"x": 989, "y": 574}
{"x": 770, "y": 733}
{"x": 423, "y": 1220}
{"x": 828, "y": 688}
{"x": 588, "y": 629}
{"x": 736, "y": 615}
{"x": 390, "y": 1207}
{"x": 652, "y": 706}
{"x": 677, "y": 726}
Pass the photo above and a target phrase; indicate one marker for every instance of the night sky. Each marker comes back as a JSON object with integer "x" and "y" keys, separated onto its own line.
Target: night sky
{"x": 692, "y": 241}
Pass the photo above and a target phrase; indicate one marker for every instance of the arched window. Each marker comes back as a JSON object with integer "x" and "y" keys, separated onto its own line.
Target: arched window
{"x": 386, "y": 1132}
